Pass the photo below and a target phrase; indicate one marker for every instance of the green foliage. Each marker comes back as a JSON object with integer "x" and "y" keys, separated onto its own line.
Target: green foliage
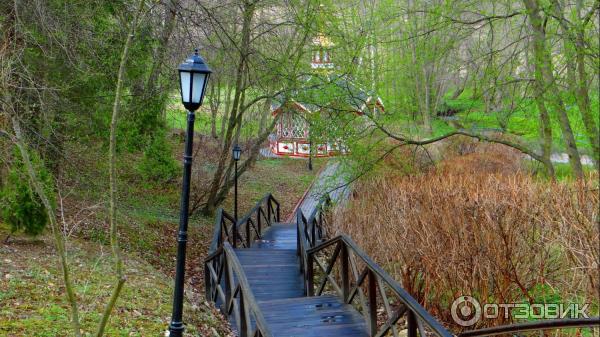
{"x": 157, "y": 164}
{"x": 22, "y": 209}
{"x": 523, "y": 120}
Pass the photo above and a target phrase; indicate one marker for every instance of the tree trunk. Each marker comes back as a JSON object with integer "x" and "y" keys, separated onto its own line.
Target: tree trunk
{"x": 226, "y": 113}
{"x": 252, "y": 155}
{"x": 215, "y": 103}
{"x": 574, "y": 43}
{"x": 545, "y": 132}
{"x": 544, "y": 75}
{"x": 211, "y": 201}
{"x": 112, "y": 155}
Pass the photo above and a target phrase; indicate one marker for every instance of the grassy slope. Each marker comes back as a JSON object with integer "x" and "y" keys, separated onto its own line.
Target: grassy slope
{"x": 34, "y": 304}
{"x": 148, "y": 221}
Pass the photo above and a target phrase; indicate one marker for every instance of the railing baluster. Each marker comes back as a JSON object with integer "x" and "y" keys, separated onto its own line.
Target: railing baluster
{"x": 278, "y": 213}
{"x": 309, "y": 276}
{"x": 248, "y": 238}
{"x": 228, "y": 283}
{"x": 207, "y": 287}
{"x": 372, "y": 303}
{"x": 345, "y": 273}
{"x": 259, "y": 221}
{"x": 243, "y": 316}
{"x": 412, "y": 324}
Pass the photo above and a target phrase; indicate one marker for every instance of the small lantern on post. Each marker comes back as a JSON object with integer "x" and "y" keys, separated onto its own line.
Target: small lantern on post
{"x": 237, "y": 153}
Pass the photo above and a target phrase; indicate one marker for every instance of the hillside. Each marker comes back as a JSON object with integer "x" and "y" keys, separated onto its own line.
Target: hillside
{"x": 33, "y": 301}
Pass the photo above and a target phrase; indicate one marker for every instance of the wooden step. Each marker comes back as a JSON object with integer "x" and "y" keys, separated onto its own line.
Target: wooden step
{"x": 272, "y": 273}
{"x": 319, "y": 316}
{"x": 278, "y": 236}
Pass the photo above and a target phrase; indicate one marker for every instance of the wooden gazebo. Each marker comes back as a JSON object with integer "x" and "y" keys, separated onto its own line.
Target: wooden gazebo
{"x": 292, "y": 136}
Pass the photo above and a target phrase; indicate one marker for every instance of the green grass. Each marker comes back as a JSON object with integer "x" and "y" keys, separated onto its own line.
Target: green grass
{"x": 523, "y": 120}
{"x": 563, "y": 171}
{"x": 176, "y": 118}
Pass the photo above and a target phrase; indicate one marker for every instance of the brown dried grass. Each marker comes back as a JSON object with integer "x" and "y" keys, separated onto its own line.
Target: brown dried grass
{"x": 477, "y": 225}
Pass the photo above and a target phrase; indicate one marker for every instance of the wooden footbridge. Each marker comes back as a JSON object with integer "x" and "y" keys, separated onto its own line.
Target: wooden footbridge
{"x": 288, "y": 280}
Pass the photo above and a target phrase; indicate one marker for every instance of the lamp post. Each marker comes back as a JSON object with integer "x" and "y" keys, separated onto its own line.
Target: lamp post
{"x": 310, "y": 149}
{"x": 237, "y": 152}
{"x": 193, "y": 76}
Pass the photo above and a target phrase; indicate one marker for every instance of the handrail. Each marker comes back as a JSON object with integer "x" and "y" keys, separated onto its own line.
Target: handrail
{"x": 223, "y": 266}
{"x": 535, "y": 326}
{"x": 309, "y": 237}
{"x": 373, "y": 277}
{"x": 302, "y": 246}
{"x": 249, "y": 227}
{"x": 217, "y": 240}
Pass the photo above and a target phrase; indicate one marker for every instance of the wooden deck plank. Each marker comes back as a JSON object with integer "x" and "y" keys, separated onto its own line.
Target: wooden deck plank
{"x": 312, "y": 317}
{"x": 272, "y": 268}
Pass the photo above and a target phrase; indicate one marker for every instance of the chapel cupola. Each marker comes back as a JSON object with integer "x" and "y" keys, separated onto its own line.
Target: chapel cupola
{"x": 321, "y": 52}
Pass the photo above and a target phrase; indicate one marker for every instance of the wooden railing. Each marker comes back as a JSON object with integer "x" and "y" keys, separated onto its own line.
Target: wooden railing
{"x": 227, "y": 286}
{"x": 344, "y": 269}
{"x": 310, "y": 232}
{"x": 248, "y": 228}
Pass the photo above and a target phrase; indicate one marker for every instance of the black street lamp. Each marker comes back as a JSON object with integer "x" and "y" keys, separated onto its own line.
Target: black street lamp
{"x": 237, "y": 152}
{"x": 310, "y": 149}
{"x": 193, "y": 76}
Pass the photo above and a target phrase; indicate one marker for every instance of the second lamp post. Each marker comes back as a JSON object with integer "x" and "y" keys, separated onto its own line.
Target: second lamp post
{"x": 237, "y": 152}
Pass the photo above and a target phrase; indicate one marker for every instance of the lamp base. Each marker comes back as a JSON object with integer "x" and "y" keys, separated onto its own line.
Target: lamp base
{"x": 176, "y": 329}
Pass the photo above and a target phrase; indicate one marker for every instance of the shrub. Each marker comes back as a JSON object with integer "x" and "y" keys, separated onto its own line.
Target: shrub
{"x": 22, "y": 209}
{"x": 476, "y": 225}
{"x": 157, "y": 163}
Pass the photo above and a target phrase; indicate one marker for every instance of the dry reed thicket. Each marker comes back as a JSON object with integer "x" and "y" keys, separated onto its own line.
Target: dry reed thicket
{"x": 476, "y": 224}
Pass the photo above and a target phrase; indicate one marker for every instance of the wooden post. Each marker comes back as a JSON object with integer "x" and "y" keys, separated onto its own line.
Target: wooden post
{"x": 259, "y": 220}
{"x": 248, "y": 239}
{"x": 243, "y": 315}
{"x": 372, "y": 303}
{"x": 309, "y": 276}
{"x": 208, "y": 282}
{"x": 228, "y": 283}
{"x": 298, "y": 247}
{"x": 345, "y": 273}
{"x": 412, "y": 324}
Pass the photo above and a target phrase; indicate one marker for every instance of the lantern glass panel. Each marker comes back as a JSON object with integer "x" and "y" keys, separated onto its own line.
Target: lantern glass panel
{"x": 185, "y": 79}
{"x": 198, "y": 87}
